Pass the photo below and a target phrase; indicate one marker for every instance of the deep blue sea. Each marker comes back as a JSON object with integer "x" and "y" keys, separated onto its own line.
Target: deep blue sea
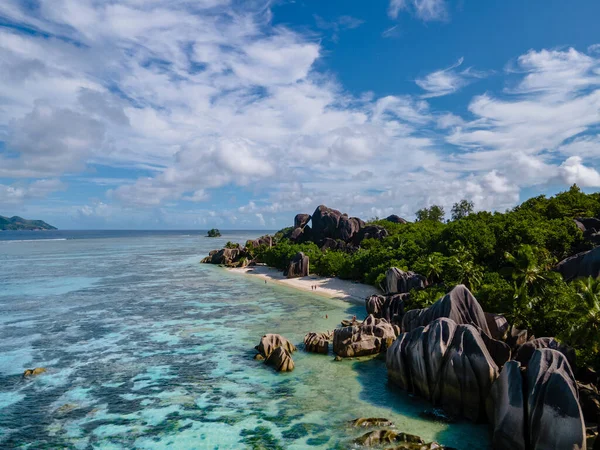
{"x": 145, "y": 348}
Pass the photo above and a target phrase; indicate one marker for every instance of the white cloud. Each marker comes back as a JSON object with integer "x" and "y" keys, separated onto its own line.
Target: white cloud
{"x": 427, "y": 10}
{"x": 17, "y": 193}
{"x": 573, "y": 171}
{"x": 447, "y": 81}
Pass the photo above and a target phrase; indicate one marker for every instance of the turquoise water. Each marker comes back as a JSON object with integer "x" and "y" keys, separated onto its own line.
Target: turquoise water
{"x": 146, "y": 349}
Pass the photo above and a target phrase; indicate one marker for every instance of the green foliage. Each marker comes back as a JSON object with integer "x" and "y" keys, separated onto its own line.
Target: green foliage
{"x": 434, "y": 213}
{"x": 462, "y": 209}
{"x": 214, "y": 232}
{"x": 504, "y": 258}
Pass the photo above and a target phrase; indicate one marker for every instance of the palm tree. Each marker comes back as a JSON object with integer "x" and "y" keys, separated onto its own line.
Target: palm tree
{"x": 525, "y": 267}
{"x": 432, "y": 267}
{"x": 471, "y": 272}
{"x": 586, "y": 314}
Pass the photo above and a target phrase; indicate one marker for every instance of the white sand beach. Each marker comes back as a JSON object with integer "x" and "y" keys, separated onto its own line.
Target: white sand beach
{"x": 327, "y": 287}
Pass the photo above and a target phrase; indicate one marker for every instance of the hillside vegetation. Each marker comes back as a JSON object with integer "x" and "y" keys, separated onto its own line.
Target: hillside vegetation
{"x": 18, "y": 223}
{"x": 505, "y": 259}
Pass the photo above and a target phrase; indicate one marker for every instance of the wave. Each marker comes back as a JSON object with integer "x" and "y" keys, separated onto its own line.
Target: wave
{"x": 33, "y": 240}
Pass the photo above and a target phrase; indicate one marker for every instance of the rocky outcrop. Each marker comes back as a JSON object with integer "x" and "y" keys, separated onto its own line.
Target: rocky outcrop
{"x": 325, "y": 222}
{"x": 388, "y": 307}
{"x": 506, "y": 409}
{"x": 395, "y": 219}
{"x": 281, "y": 360}
{"x": 467, "y": 374}
{"x": 370, "y": 337}
{"x": 590, "y": 226}
{"x": 230, "y": 257}
{"x": 363, "y": 422}
{"x": 526, "y": 351}
{"x": 497, "y": 324}
{"x": 269, "y": 342}
{"x": 349, "y": 227}
{"x": 458, "y": 304}
{"x": 301, "y": 234}
{"x": 301, "y": 220}
{"x": 516, "y": 337}
{"x": 448, "y": 364}
{"x": 589, "y": 400}
{"x": 317, "y": 342}
{"x": 263, "y": 240}
{"x": 398, "y": 281}
{"x": 386, "y": 436}
{"x": 536, "y": 409}
{"x": 554, "y": 418}
{"x": 584, "y": 264}
{"x": 298, "y": 267}
{"x": 370, "y": 232}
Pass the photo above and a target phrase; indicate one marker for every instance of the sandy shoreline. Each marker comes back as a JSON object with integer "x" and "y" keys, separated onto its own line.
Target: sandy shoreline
{"x": 327, "y": 287}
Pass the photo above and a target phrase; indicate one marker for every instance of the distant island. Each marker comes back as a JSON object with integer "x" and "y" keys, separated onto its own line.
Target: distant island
{"x": 214, "y": 233}
{"x": 18, "y": 223}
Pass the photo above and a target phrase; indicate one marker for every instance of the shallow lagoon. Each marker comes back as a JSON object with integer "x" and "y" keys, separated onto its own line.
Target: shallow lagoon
{"x": 146, "y": 348}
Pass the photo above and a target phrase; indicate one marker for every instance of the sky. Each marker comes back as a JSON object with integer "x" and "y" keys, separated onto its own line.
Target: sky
{"x": 192, "y": 114}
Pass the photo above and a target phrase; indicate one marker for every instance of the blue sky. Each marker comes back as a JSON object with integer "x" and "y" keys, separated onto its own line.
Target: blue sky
{"x": 181, "y": 114}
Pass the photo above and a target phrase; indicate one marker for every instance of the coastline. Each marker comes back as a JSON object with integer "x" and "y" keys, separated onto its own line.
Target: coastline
{"x": 327, "y": 287}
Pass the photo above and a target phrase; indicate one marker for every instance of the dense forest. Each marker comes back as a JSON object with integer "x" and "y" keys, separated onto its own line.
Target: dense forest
{"x": 506, "y": 259}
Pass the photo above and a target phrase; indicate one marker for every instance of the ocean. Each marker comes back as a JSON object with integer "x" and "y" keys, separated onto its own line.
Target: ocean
{"x": 146, "y": 348}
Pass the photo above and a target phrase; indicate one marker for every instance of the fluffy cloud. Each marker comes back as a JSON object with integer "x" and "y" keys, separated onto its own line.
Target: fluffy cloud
{"x": 17, "y": 193}
{"x": 573, "y": 171}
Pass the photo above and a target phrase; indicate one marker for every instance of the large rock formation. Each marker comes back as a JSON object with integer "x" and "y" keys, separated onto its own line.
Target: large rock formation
{"x": 263, "y": 240}
{"x": 584, "y": 264}
{"x": 325, "y": 222}
{"x": 538, "y": 410}
{"x": 395, "y": 219}
{"x": 467, "y": 374}
{"x": 590, "y": 226}
{"x": 458, "y": 304}
{"x": 348, "y": 227}
{"x": 397, "y": 281}
{"x": 299, "y": 266}
{"x": 269, "y": 342}
{"x": 370, "y": 232}
{"x": 388, "y": 307}
{"x": 554, "y": 418}
{"x": 498, "y": 325}
{"x": 448, "y": 364}
{"x": 506, "y": 409}
{"x": 317, "y": 342}
{"x": 525, "y": 351}
{"x": 368, "y": 338}
{"x": 301, "y": 220}
{"x": 233, "y": 257}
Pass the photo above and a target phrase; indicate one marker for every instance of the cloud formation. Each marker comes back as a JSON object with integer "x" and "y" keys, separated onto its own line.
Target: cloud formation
{"x": 187, "y": 100}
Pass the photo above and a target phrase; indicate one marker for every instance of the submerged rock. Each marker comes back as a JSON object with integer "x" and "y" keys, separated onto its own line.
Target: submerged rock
{"x": 399, "y": 282}
{"x": 370, "y": 337}
{"x": 270, "y": 342}
{"x": 387, "y": 436}
{"x": 34, "y": 372}
{"x": 281, "y": 360}
{"x": 317, "y": 342}
{"x": 370, "y": 422}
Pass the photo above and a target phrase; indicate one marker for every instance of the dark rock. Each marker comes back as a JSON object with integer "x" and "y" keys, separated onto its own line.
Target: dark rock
{"x": 225, "y": 256}
{"x": 458, "y": 304}
{"x": 588, "y": 224}
{"x": 299, "y": 266}
{"x": 281, "y": 360}
{"x": 259, "y": 357}
{"x": 584, "y": 264}
{"x": 263, "y": 240}
{"x": 370, "y": 232}
{"x": 370, "y": 337}
{"x": 300, "y": 235}
{"x": 437, "y": 415}
{"x": 325, "y": 222}
{"x": 498, "y": 325}
{"x": 33, "y": 372}
{"x": 554, "y": 417}
{"x": 388, "y": 307}
{"x": 499, "y": 351}
{"x": 398, "y": 282}
{"x": 269, "y": 342}
{"x": 516, "y": 337}
{"x": 506, "y": 409}
{"x": 414, "y": 361}
{"x": 317, "y": 342}
{"x": 467, "y": 375}
{"x": 586, "y": 375}
{"x": 525, "y": 351}
{"x": 589, "y": 400}
{"x": 395, "y": 219}
{"x": 370, "y": 422}
{"x": 348, "y": 227}
{"x": 337, "y": 358}
{"x": 301, "y": 220}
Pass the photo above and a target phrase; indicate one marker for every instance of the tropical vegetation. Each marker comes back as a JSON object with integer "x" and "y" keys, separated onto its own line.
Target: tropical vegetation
{"x": 214, "y": 232}
{"x": 506, "y": 259}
